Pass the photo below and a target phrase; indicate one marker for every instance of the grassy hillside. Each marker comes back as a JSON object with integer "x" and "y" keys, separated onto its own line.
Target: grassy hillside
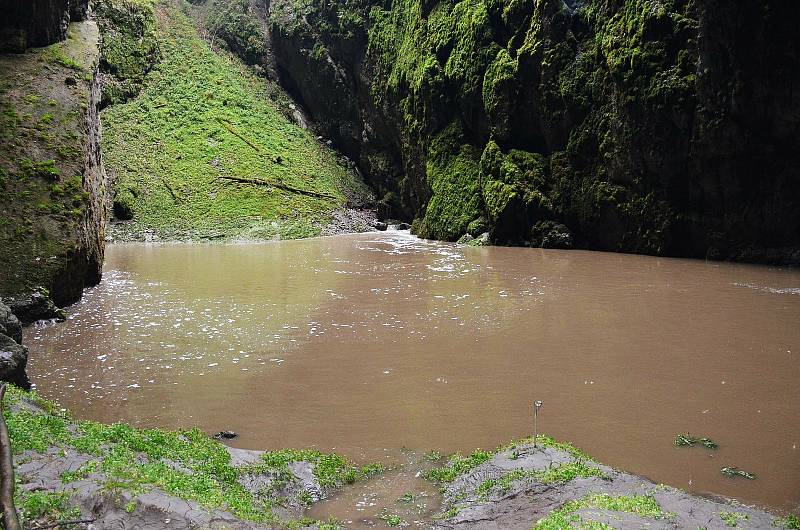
{"x": 200, "y": 118}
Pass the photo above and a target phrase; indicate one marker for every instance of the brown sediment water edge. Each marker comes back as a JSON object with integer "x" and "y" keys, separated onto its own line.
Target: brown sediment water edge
{"x": 366, "y": 344}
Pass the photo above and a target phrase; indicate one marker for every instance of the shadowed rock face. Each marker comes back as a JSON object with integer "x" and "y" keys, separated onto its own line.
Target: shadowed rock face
{"x": 658, "y": 127}
{"x": 13, "y": 355}
{"x": 54, "y": 198}
{"x": 34, "y": 23}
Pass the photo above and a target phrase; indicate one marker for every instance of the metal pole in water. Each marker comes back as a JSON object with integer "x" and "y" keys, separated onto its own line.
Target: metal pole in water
{"x": 536, "y": 406}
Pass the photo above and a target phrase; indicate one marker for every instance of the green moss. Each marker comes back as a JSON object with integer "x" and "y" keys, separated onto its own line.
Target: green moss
{"x": 45, "y": 169}
{"x": 235, "y": 23}
{"x": 453, "y": 176}
{"x": 732, "y": 519}
{"x": 792, "y": 522}
{"x": 130, "y": 45}
{"x": 139, "y": 459}
{"x": 565, "y": 517}
{"x": 124, "y": 204}
{"x": 499, "y": 87}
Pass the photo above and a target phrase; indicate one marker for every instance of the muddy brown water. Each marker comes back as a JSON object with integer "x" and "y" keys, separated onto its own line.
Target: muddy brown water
{"x": 367, "y": 344}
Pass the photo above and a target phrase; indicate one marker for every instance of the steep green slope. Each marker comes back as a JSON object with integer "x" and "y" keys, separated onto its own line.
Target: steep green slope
{"x": 204, "y": 150}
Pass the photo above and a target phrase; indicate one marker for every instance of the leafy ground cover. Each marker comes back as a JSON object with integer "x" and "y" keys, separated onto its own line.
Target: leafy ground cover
{"x": 204, "y": 151}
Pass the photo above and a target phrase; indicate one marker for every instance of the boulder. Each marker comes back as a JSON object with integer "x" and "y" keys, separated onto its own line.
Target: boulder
{"x": 36, "y": 306}
{"x": 10, "y": 324}
{"x": 13, "y": 359}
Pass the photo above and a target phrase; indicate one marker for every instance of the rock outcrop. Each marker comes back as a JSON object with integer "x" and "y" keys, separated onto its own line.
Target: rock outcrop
{"x": 53, "y": 183}
{"x": 35, "y": 23}
{"x": 13, "y": 355}
{"x": 523, "y": 485}
{"x": 659, "y": 127}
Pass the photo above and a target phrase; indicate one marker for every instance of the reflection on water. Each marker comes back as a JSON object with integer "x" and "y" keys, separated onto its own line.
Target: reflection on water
{"x": 380, "y": 341}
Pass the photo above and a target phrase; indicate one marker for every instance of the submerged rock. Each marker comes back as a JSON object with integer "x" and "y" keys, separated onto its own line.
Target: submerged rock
{"x": 480, "y": 241}
{"x": 225, "y": 435}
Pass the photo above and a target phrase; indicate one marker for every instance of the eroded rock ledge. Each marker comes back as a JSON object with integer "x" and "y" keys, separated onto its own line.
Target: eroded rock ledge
{"x": 123, "y": 477}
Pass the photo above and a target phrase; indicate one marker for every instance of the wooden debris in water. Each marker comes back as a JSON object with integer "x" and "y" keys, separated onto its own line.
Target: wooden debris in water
{"x": 734, "y": 471}
{"x": 687, "y": 440}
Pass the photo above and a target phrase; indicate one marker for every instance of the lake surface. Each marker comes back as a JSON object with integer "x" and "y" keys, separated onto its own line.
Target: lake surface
{"x": 370, "y": 343}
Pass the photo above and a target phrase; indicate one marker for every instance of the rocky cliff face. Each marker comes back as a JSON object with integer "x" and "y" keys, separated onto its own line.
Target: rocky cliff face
{"x": 35, "y": 23}
{"x": 662, "y": 127}
{"x": 53, "y": 201}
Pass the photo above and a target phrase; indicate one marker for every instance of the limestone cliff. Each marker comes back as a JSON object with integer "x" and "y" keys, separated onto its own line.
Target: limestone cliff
{"x": 663, "y": 127}
{"x": 53, "y": 200}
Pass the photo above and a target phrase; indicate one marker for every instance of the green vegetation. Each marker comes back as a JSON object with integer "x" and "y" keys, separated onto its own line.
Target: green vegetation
{"x": 406, "y": 498}
{"x": 187, "y": 464}
{"x": 732, "y": 519}
{"x": 433, "y": 456}
{"x": 565, "y": 517}
{"x": 792, "y": 522}
{"x": 130, "y": 46}
{"x": 458, "y": 464}
{"x": 391, "y": 519}
{"x": 330, "y": 469}
{"x": 687, "y": 440}
{"x": 570, "y": 88}
{"x": 554, "y": 474}
{"x": 453, "y": 176}
{"x": 200, "y": 122}
{"x": 48, "y": 506}
{"x": 45, "y": 180}
{"x": 234, "y": 22}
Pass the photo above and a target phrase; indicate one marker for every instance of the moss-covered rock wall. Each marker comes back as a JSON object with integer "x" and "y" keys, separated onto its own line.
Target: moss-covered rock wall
{"x": 654, "y": 126}
{"x": 29, "y": 23}
{"x": 53, "y": 197}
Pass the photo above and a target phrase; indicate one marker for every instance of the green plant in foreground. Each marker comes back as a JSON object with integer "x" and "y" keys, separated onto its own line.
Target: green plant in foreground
{"x": 406, "y": 498}
{"x": 136, "y": 460}
{"x": 457, "y": 465}
{"x": 791, "y": 521}
{"x": 45, "y": 505}
{"x": 565, "y": 517}
{"x": 733, "y": 471}
{"x": 560, "y": 473}
{"x": 391, "y": 519}
{"x": 732, "y": 519}
{"x": 433, "y": 456}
